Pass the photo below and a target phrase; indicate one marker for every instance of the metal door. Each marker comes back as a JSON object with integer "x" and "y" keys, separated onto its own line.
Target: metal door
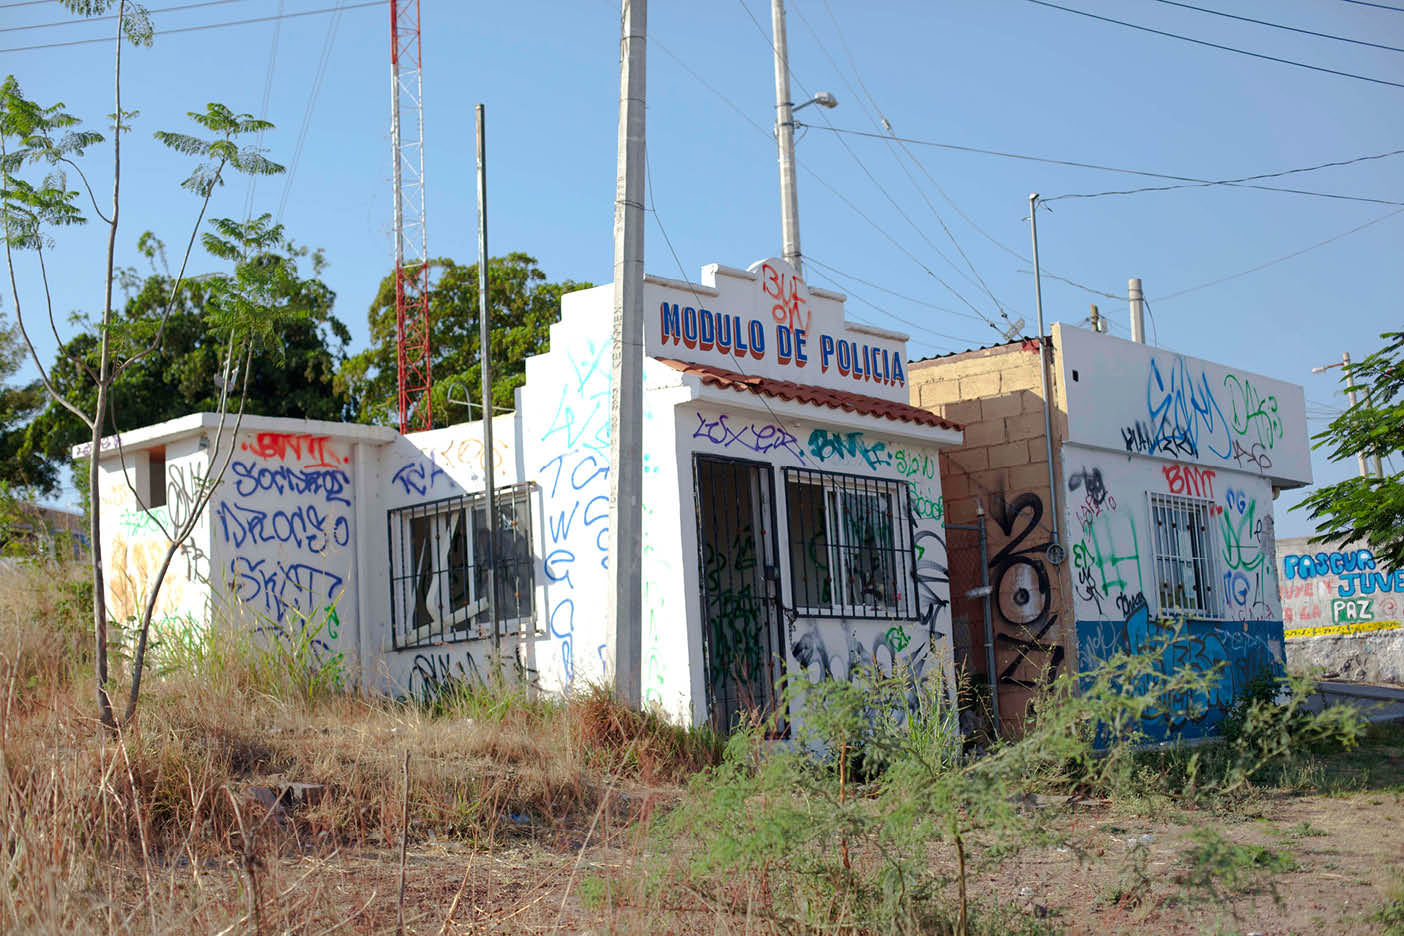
{"x": 742, "y": 643}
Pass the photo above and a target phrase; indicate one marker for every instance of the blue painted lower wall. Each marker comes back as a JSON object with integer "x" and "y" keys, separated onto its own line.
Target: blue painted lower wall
{"x": 1246, "y": 648}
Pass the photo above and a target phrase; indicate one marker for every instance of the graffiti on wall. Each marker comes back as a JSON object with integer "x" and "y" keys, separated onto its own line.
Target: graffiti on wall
{"x": 741, "y": 434}
{"x": 1341, "y": 592}
{"x": 574, "y": 472}
{"x": 1190, "y": 416}
{"x": 1238, "y": 656}
{"x": 284, "y": 521}
{"x": 1024, "y": 617}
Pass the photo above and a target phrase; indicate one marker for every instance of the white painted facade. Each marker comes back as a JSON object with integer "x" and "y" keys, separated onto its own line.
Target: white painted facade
{"x": 302, "y": 537}
{"x": 1170, "y": 468}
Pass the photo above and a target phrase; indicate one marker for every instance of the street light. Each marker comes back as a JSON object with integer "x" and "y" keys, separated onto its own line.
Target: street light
{"x": 823, "y": 99}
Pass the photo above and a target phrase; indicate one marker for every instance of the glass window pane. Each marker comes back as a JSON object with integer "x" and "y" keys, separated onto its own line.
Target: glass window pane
{"x": 809, "y": 545}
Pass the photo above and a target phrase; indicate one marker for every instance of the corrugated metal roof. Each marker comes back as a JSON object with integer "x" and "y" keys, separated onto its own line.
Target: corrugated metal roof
{"x": 820, "y": 396}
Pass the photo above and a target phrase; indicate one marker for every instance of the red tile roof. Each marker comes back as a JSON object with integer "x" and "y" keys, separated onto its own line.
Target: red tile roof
{"x": 820, "y": 396}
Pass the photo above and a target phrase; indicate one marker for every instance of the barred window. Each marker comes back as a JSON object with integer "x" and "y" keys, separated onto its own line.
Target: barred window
{"x": 1185, "y": 565}
{"x": 439, "y": 568}
{"x": 850, "y": 546}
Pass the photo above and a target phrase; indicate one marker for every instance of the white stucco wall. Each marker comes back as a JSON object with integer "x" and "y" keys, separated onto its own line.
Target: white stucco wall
{"x": 299, "y": 544}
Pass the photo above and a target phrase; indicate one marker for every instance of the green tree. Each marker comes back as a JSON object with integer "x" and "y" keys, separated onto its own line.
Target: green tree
{"x": 298, "y": 379}
{"x": 18, "y": 405}
{"x": 32, "y": 135}
{"x": 1369, "y": 509}
{"x": 523, "y": 305}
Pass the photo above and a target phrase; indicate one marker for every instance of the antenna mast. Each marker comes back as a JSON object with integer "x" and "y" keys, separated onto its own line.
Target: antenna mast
{"x": 411, "y": 236}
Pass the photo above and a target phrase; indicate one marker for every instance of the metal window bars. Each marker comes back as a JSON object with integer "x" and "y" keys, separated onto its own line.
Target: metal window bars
{"x": 850, "y": 540}
{"x": 1185, "y": 567}
{"x": 439, "y": 568}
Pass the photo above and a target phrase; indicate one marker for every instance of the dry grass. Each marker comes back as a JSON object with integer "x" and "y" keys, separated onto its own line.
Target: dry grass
{"x": 167, "y": 825}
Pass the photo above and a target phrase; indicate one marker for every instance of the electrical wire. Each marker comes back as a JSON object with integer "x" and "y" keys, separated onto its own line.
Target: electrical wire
{"x": 890, "y": 292}
{"x": 1295, "y": 253}
{"x": 961, "y": 343}
{"x": 186, "y": 29}
{"x": 1136, "y": 172}
{"x": 263, "y": 107}
{"x": 861, "y": 165}
{"x": 881, "y": 121}
{"x": 1304, "y": 32}
{"x": 113, "y": 16}
{"x": 1265, "y": 175}
{"x": 1382, "y": 6}
{"x": 316, "y": 90}
{"x": 1215, "y": 45}
{"x": 960, "y": 340}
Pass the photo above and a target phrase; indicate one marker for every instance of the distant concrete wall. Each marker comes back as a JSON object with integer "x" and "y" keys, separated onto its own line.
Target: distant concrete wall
{"x": 1343, "y": 611}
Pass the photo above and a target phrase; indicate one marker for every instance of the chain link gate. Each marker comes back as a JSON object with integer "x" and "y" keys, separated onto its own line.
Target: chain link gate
{"x": 972, "y": 628}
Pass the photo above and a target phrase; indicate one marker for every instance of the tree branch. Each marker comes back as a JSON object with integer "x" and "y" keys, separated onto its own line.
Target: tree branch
{"x": 74, "y": 359}
{"x": 82, "y": 175}
{"x": 175, "y": 285}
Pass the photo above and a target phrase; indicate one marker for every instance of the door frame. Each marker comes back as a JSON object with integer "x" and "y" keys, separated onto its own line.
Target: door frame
{"x": 769, "y": 578}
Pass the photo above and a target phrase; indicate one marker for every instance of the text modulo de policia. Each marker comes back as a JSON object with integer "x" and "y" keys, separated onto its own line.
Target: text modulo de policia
{"x": 703, "y": 330}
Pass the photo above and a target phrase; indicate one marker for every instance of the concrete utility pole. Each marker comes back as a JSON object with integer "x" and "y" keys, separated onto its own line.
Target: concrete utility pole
{"x": 1138, "y": 310}
{"x": 485, "y": 360}
{"x": 785, "y": 142}
{"x": 1350, "y": 395}
{"x": 624, "y": 597}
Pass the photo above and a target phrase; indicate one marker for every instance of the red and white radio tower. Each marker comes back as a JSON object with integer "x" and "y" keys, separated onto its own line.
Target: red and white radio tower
{"x": 411, "y": 237}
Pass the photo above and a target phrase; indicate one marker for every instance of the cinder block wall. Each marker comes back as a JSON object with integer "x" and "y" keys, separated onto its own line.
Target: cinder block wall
{"x": 997, "y": 394}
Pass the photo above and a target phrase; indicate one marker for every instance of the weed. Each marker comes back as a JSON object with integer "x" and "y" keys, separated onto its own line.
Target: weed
{"x": 1391, "y": 913}
{"x": 1214, "y": 866}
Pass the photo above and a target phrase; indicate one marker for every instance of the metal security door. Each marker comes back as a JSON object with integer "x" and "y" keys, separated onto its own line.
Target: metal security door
{"x": 740, "y": 575}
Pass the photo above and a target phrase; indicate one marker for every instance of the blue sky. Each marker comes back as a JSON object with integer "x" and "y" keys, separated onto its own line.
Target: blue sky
{"x": 1003, "y": 75}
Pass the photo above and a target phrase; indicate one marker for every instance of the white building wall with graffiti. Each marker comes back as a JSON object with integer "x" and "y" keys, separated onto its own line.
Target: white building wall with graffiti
{"x": 1171, "y": 465}
{"x": 792, "y": 515}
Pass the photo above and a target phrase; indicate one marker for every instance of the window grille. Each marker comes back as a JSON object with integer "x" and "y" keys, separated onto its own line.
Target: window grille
{"x": 850, "y": 546}
{"x": 1185, "y": 566}
{"x": 439, "y": 568}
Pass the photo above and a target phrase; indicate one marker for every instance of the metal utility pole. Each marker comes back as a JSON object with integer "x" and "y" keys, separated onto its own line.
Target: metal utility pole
{"x": 485, "y": 365}
{"x": 1054, "y": 551}
{"x": 1350, "y": 395}
{"x": 1138, "y": 310}
{"x": 785, "y": 141}
{"x": 1096, "y": 319}
{"x": 624, "y": 596}
{"x": 415, "y": 384}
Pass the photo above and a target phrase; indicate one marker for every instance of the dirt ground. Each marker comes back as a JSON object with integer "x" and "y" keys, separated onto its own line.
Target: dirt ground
{"x": 1345, "y": 851}
{"x": 1330, "y": 860}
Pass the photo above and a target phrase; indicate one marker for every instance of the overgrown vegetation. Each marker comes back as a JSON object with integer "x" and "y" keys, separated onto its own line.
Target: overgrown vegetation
{"x": 246, "y": 769}
{"x": 844, "y": 829}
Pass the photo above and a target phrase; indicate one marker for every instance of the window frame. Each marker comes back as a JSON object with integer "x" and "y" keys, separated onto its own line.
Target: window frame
{"x": 900, "y": 552}
{"x": 1167, "y": 557}
{"x": 413, "y": 586}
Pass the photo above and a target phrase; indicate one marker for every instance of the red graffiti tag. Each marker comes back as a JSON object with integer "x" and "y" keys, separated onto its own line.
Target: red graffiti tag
{"x": 1189, "y": 480}
{"x": 784, "y": 289}
{"x": 280, "y": 445}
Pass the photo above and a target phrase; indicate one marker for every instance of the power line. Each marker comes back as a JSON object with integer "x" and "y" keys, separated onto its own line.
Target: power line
{"x": 263, "y": 107}
{"x": 881, "y": 121}
{"x": 1305, "y": 32}
{"x": 969, "y": 220}
{"x": 316, "y": 90}
{"x": 1266, "y": 175}
{"x": 1124, "y": 171}
{"x": 891, "y": 292}
{"x": 761, "y": 30}
{"x": 1295, "y": 253}
{"x": 113, "y": 16}
{"x": 186, "y": 29}
{"x": 1215, "y": 45}
{"x": 915, "y": 326}
{"x": 1382, "y": 6}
